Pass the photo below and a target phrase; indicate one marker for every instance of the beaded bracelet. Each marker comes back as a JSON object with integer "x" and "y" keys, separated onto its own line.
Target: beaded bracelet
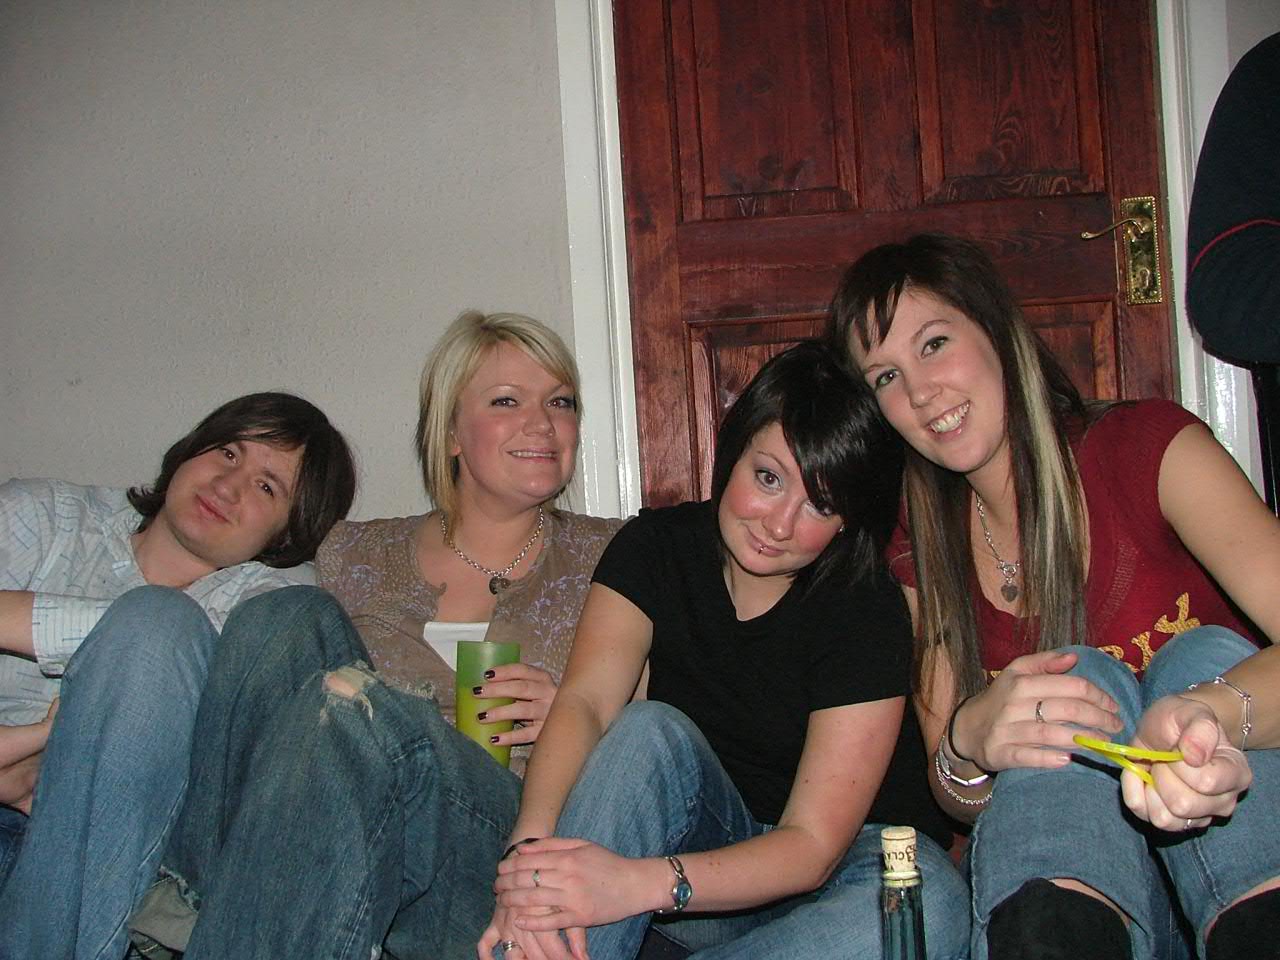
{"x": 1246, "y": 720}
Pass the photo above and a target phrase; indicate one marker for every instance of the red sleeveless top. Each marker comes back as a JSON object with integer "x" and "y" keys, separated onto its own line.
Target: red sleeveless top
{"x": 1143, "y": 586}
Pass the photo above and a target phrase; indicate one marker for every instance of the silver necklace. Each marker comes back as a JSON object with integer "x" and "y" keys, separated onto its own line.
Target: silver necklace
{"x": 497, "y": 578}
{"x": 1008, "y": 568}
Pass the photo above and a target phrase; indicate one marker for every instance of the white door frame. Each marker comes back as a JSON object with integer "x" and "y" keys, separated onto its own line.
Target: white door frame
{"x": 1193, "y": 62}
{"x": 610, "y": 451}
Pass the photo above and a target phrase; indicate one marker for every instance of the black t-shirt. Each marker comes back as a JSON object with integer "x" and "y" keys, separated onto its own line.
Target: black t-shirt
{"x": 751, "y": 685}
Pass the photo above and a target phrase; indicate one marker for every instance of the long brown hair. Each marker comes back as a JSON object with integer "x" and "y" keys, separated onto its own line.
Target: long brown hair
{"x": 1042, "y": 407}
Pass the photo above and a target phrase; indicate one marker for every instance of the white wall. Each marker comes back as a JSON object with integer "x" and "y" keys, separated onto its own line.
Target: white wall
{"x": 198, "y": 200}
{"x": 1249, "y": 21}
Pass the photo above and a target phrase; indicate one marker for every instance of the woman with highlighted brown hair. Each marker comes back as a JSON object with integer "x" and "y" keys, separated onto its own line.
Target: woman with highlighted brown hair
{"x": 1075, "y": 568}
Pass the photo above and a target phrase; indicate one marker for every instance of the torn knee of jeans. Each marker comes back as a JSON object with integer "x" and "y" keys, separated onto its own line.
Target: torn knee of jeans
{"x": 350, "y": 683}
{"x": 162, "y": 922}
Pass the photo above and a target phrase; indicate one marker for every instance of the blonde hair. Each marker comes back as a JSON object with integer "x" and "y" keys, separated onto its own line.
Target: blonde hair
{"x": 452, "y": 363}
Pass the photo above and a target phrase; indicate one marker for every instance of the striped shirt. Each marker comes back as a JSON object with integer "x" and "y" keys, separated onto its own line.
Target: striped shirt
{"x": 70, "y": 546}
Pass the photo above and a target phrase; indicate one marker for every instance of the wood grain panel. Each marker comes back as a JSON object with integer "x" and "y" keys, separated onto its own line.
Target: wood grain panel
{"x": 791, "y": 265}
{"x": 1083, "y": 338}
{"x": 723, "y": 357}
{"x": 1008, "y": 98}
{"x": 881, "y": 59}
{"x": 657, "y": 343}
{"x": 763, "y": 107}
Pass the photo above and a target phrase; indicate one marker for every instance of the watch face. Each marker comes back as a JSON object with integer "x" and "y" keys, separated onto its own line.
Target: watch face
{"x": 682, "y": 893}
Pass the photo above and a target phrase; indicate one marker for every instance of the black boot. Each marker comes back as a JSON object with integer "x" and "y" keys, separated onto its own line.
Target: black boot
{"x": 1249, "y": 929}
{"x": 1042, "y": 921}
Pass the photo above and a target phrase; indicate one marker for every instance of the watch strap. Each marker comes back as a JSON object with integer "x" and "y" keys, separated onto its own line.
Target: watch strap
{"x": 681, "y": 889}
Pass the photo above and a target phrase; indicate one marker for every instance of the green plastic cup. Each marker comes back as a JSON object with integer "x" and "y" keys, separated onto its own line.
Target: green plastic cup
{"x": 474, "y": 658}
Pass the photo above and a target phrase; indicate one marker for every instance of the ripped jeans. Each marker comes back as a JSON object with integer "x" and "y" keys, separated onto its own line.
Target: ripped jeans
{"x": 325, "y": 824}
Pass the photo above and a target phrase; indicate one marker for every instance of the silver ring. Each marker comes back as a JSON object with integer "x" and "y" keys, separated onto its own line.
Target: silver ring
{"x": 1189, "y": 827}
{"x": 537, "y": 875}
{"x": 1039, "y": 714}
{"x": 509, "y": 945}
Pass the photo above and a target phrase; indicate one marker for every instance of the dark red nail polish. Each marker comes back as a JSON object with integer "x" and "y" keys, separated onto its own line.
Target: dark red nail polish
{"x": 475, "y": 691}
{"x": 493, "y": 740}
{"x": 488, "y": 674}
{"x": 481, "y": 715}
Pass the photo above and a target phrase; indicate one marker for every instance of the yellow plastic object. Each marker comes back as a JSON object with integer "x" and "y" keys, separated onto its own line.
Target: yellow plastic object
{"x": 1121, "y": 752}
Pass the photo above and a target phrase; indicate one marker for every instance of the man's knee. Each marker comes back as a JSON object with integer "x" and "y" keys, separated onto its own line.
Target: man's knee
{"x": 144, "y": 629}
{"x": 153, "y": 603}
{"x": 284, "y": 603}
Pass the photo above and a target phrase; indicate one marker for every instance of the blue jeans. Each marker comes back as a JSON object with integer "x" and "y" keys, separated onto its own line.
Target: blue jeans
{"x": 1073, "y": 823}
{"x": 12, "y": 826}
{"x": 654, "y": 786}
{"x": 113, "y": 774}
{"x": 322, "y": 824}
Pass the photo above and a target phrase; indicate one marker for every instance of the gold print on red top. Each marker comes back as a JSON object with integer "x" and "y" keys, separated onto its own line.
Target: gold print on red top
{"x": 1183, "y": 623}
{"x": 1164, "y": 625}
{"x": 1142, "y": 641}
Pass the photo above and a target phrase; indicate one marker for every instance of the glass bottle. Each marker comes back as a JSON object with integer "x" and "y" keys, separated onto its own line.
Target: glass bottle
{"x": 901, "y": 896}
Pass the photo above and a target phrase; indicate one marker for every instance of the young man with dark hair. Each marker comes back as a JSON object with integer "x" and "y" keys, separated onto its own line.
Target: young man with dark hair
{"x": 110, "y": 607}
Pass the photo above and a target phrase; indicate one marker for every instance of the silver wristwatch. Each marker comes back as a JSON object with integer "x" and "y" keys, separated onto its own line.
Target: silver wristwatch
{"x": 681, "y": 890}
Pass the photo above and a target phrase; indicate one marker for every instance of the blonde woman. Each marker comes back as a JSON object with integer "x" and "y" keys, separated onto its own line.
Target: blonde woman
{"x": 340, "y": 813}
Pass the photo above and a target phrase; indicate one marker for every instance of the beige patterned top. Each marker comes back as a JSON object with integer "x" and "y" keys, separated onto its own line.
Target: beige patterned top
{"x": 371, "y": 567}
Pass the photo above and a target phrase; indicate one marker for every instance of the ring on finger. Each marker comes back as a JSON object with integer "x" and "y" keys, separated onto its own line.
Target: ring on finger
{"x": 509, "y": 945}
{"x": 1039, "y": 711}
{"x": 537, "y": 875}
{"x": 1188, "y": 826}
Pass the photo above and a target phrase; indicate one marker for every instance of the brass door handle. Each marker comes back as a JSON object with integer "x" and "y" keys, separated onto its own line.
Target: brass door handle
{"x": 1141, "y": 248}
{"x": 1140, "y": 225}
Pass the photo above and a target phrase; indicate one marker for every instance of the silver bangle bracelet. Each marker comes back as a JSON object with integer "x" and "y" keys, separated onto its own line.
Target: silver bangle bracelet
{"x": 945, "y": 752}
{"x": 1246, "y": 704}
{"x": 950, "y": 790}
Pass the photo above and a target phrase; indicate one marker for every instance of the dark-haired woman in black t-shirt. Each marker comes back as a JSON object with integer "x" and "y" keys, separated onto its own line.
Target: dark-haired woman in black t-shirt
{"x": 743, "y": 798}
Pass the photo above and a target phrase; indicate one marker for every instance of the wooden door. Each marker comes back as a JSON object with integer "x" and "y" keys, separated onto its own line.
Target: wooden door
{"x": 766, "y": 145}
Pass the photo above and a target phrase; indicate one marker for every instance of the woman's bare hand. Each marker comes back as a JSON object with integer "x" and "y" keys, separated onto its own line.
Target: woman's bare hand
{"x": 532, "y": 689}
{"x": 1029, "y": 714}
{"x": 1205, "y": 783}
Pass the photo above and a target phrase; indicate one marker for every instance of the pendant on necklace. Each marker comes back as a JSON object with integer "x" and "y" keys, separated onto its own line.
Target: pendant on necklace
{"x": 1009, "y": 591}
{"x": 498, "y": 584}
